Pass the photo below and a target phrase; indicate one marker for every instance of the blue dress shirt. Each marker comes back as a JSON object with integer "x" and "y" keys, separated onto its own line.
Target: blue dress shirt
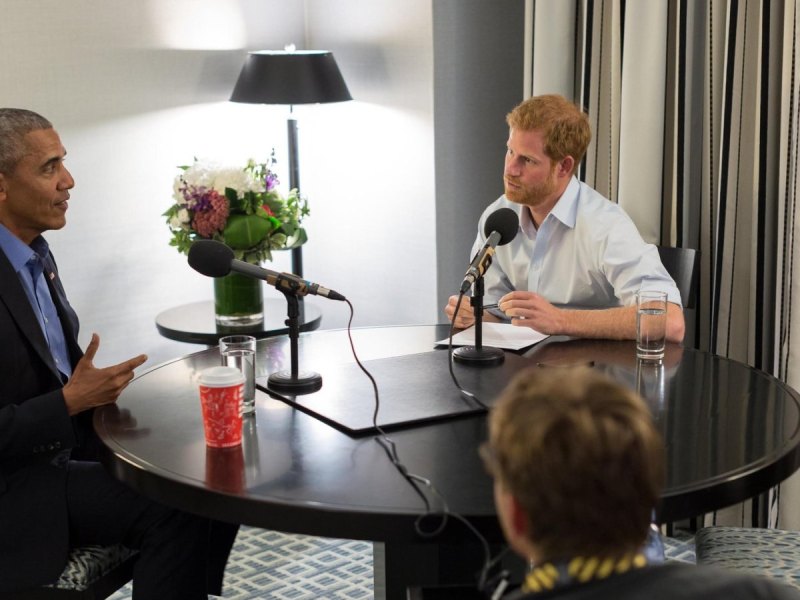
{"x": 27, "y": 261}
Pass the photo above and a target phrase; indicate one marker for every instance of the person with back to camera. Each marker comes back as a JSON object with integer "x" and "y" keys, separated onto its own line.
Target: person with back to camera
{"x": 54, "y": 494}
{"x": 578, "y": 466}
{"x": 577, "y": 261}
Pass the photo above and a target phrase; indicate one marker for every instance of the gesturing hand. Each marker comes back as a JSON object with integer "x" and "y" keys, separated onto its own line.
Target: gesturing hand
{"x": 89, "y": 386}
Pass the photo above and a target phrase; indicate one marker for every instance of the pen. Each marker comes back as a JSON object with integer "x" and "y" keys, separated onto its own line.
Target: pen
{"x": 497, "y": 306}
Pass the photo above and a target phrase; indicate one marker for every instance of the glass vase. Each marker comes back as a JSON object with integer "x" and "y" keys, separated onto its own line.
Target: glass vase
{"x": 238, "y": 301}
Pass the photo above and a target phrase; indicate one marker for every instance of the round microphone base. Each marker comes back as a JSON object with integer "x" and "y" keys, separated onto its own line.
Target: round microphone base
{"x": 482, "y": 357}
{"x": 306, "y": 382}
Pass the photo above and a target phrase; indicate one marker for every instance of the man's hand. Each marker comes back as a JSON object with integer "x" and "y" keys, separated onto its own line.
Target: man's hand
{"x": 466, "y": 314}
{"x": 465, "y": 317}
{"x": 528, "y": 309}
{"x": 89, "y": 386}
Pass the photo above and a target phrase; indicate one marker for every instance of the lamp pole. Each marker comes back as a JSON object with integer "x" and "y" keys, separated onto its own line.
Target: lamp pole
{"x": 291, "y": 77}
{"x": 294, "y": 183}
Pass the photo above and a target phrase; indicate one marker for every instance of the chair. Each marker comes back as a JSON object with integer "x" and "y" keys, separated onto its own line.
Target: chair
{"x": 91, "y": 573}
{"x": 683, "y": 265}
{"x": 770, "y": 552}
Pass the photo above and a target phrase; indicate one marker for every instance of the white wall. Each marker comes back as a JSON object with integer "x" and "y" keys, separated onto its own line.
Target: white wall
{"x": 369, "y": 164}
{"x": 136, "y": 88}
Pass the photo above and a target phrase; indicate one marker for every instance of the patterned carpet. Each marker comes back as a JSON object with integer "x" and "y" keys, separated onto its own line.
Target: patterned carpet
{"x": 270, "y": 564}
{"x": 680, "y": 547}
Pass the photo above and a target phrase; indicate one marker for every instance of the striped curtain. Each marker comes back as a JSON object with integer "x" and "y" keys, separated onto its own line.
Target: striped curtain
{"x": 695, "y": 109}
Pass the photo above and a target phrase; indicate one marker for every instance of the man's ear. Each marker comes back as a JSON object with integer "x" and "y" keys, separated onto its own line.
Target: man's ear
{"x": 518, "y": 518}
{"x": 3, "y": 185}
{"x": 565, "y": 166}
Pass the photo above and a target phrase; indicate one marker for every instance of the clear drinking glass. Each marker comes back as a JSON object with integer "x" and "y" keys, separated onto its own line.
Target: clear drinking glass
{"x": 240, "y": 351}
{"x": 651, "y": 324}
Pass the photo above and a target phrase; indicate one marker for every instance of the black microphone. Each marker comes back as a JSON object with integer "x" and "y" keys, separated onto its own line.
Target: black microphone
{"x": 500, "y": 228}
{"x": 215, "y": 259}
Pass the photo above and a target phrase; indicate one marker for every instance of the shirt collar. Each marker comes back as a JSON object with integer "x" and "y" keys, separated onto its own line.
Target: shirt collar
{"x": 17, "y": 251}
{"x": 579, "y": 570}
{"x": 565, "y": 209}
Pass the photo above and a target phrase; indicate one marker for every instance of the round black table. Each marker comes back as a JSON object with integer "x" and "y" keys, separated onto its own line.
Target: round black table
{"x": 731, "y": 432}
{"x": 195, "y": 323}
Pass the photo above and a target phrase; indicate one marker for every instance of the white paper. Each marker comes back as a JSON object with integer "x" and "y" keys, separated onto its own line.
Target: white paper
{"x": 499, "y": 335}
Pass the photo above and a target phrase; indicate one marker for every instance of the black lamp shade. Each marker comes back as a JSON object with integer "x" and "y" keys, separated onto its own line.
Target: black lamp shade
{"x": 303, "y": 77}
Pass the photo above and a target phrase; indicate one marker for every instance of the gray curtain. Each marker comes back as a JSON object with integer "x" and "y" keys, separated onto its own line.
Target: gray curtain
{"x": 694, "y": 108}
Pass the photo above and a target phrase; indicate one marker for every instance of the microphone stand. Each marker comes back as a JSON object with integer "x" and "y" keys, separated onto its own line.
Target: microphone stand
{"x": 293, "y": 381}
{"x": 477, "y": 354}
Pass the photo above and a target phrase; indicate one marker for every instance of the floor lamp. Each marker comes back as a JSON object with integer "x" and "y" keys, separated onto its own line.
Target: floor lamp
{"x": 290, "y": 77}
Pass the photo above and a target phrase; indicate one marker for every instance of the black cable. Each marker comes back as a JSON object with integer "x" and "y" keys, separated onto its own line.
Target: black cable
{"x": 416, "y": 481}
{"x": 465, "y": 394}
{"x": 389, "y": 447}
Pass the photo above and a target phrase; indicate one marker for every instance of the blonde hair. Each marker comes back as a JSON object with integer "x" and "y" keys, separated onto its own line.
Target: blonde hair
{"x": 564, "y": 125}
{"x": 582, "y": 457}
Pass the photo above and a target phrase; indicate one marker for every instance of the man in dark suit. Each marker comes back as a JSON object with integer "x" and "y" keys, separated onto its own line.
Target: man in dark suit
{"x": 578, "y": 465}
{"x": 53, "y": 493}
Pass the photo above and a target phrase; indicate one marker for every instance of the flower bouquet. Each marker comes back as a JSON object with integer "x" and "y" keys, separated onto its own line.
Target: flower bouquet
{"x": 241, "y": 208}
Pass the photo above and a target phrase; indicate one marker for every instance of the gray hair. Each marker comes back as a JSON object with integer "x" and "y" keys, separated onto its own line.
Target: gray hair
{"x": 15, "y": 124}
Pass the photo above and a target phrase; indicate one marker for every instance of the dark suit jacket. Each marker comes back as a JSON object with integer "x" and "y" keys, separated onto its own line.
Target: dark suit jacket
{"x": 671, "y": 581}
{"x": 35, "y": 434}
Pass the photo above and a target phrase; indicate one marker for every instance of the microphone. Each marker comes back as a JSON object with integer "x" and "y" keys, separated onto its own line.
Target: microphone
{"x": 500, "y": 228}
{"x": 215, "y": 259}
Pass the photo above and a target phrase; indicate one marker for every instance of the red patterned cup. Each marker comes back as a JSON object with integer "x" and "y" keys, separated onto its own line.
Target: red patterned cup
{"x": 221, "y": 391}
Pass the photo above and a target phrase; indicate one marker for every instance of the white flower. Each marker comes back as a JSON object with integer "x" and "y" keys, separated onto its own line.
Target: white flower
{"x": 237, "y": 179}
{"x": 177, "y": 192}
{"x": 210, "y": 175}
{"x": 230, "y": 178}
{"x": 200, "y": 174}
{"x": 180, "y": 220}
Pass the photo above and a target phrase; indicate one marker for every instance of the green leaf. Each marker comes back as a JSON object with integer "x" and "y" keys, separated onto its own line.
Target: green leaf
{"x": 298, "y": 239}
{"x": 251, "y": 203}
{"x": 234, "y": 202}
{"x": 245, "y": 231}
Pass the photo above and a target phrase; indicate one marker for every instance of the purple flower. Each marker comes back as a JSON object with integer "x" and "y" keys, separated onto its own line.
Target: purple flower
{"x": 202, "y": 199}
{"x": 210, "y": 213}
